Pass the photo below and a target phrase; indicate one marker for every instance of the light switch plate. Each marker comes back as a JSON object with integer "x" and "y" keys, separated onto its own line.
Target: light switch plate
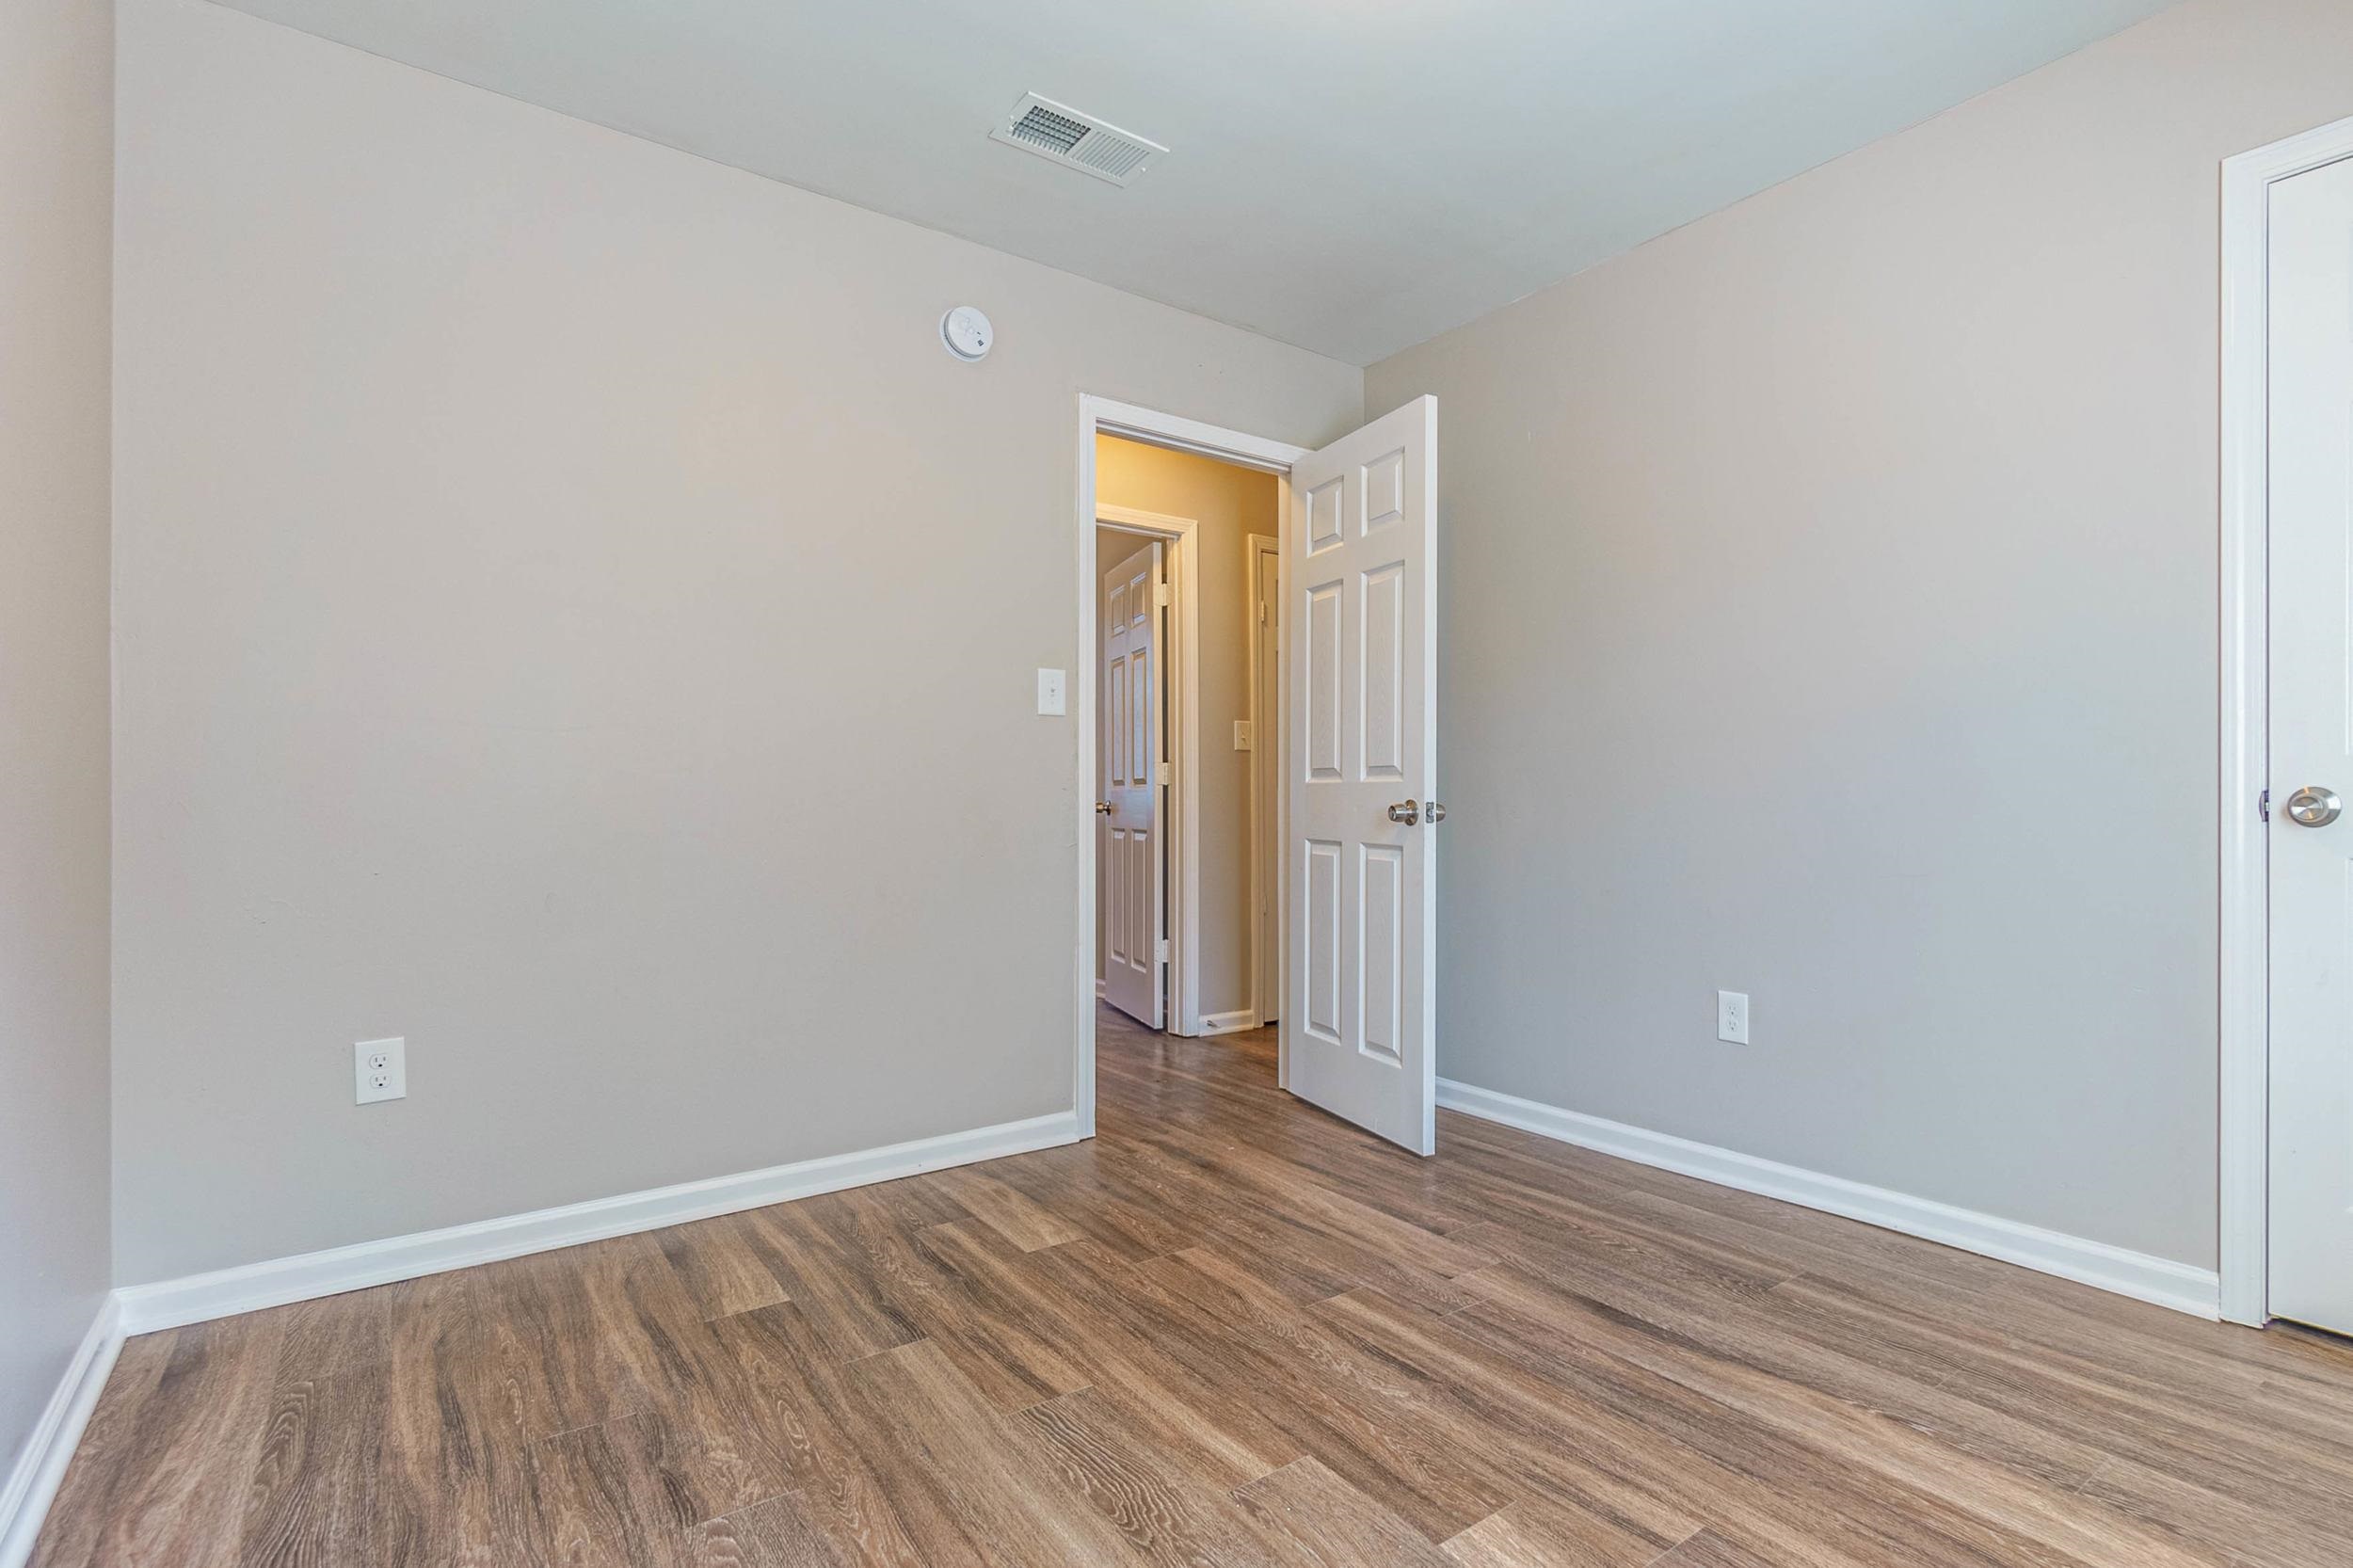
{"x": 1242, "y": 735}
{"x": 1052, "y": 693}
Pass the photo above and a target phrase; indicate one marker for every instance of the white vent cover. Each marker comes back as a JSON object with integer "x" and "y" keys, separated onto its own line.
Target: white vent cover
{"x": 1077, "y": 140}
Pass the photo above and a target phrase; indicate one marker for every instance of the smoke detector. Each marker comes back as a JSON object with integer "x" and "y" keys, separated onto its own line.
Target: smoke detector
{"x": 1076, "y": 140}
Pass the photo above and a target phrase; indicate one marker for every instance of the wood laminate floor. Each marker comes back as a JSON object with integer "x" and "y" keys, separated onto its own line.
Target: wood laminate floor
{"x": 1229, "y": 1330}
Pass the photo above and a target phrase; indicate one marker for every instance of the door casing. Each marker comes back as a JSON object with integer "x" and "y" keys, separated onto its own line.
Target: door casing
{"x": 1260, "y": 552}
{"x": 2245, "y": 912}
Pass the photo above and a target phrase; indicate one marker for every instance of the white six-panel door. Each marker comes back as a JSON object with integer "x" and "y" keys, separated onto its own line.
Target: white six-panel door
{"x": 1134, "y": 907}
{"x": 2311, "y": 702}
{"x": 1360, "y": 564}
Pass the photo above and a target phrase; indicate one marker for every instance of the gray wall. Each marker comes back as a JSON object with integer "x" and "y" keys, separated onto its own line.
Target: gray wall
{"x": 1830, "y": 608}
{"x": 56, "y": 144}
{"x": 523, "y": 648}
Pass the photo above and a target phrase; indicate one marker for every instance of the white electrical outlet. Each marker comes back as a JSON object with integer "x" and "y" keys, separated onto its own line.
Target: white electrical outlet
{"x": 381, "y": 1068}
{"x": 1732, "y": 1017}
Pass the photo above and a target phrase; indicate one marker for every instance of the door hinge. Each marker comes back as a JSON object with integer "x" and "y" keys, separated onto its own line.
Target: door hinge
{"x": 1161, "y": 595}
{"x": 1164, "y": 772}
{"x": 1164, "y": 949}
{"x": 2263, "y": 805}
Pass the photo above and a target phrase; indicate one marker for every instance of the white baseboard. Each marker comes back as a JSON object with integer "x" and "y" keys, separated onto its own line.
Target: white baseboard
{"x": 2179, "y": 1286}
{"x": 32, "y": 1482}
{"x": 1228, "y": 1023}
{"x": 169, "y": 1304}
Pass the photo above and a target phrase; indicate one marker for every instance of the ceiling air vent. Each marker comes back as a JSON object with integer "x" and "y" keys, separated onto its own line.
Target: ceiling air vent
{"x": 1079, "y": 141}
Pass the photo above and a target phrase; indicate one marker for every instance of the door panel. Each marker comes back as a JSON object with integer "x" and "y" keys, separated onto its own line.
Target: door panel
{"x": 2311, "y": 744}
{"x": 1359, "y": 1023}
{"x": 1130, "y": 847}
{"x": 1321, "y": 882}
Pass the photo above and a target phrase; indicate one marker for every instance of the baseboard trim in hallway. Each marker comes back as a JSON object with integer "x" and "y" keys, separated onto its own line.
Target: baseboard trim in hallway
{"x": 24, "y": 1497}
{"x": 2139, "y": 1276}
{"x": 196, "y": 1298}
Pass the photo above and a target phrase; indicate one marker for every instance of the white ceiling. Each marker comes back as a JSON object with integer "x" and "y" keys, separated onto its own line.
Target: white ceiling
{"x": 1351, "y": 176}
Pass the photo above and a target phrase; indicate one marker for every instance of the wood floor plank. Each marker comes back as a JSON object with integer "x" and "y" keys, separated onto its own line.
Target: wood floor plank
{"x": 1014, "y": 1355}
{"x": 722, "y": 1265}
{"x": 1073, "y": 1178}
{"x": 458, "y": 1418}
{"x": 986, "y": 1472}
{"x": 1709, "y": 1550}
{"x": 1149, "y": 1362}
{"x": 779, "y": 1533}
{"x": 805, "y": 1404}
{"x": 1006, "y": 1209}
{"x": 1352, "y": 1410}
{"x": 166, "y": 1482}
{"x": 571, "y": 1311}
{"x": 1228, "y": 1330}
{"x": 1536, "y": 1533}
{"x": 107, "y": 1464}
{"x": 319, "y": 1495}
{"x": 1618, "y": 1443}
{"x": 602, "y": 1498}
{"x": 1327, "y": 1522}
{"x": 1318, "y": 1248}
{"x": 831, "y": 1283}
{"x": 1741, "y": 1416}
{"x": 1163, "y": 1511}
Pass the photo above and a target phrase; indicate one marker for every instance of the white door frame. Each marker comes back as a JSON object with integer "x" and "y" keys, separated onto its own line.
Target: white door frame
{"x": 1180, "y": 699}
{"x": 1266, "y": 788}
{"x": 1104, "y": 416}
{"x": 2245, "y": 914}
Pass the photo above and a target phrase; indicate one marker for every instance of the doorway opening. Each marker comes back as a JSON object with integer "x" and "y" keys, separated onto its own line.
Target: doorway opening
{"x": 1344, "y": 725}
{"x": 1187, "y": 638}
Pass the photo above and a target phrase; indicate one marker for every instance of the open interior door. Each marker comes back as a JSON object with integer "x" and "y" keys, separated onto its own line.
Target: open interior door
{"x": 1360, "y": 559}
{"x": 1134, "y": 900}
{"x": 2309, "y": 1192}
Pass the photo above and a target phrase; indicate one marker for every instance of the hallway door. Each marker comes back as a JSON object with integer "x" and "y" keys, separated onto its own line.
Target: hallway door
{"x": 1135, "y": 928}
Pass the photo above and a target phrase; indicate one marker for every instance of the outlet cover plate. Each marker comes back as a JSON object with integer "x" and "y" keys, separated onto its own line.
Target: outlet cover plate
{"x": 1731, "y": 1018}
{"x": 381, "y": 1070}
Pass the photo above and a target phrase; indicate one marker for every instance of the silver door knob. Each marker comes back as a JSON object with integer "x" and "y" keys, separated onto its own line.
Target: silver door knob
{"x": 1408, "y": 812}
{"x": 1434, "y": 815}
{"x": 2314, "y": 805}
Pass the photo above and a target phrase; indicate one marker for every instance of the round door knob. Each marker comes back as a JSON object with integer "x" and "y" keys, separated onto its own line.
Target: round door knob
{"x": 1102, "y": 808}
{"x": 2314, "y": 805}
{"x": 1406, "y": 812}
{"x": 1434, "y": 815}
